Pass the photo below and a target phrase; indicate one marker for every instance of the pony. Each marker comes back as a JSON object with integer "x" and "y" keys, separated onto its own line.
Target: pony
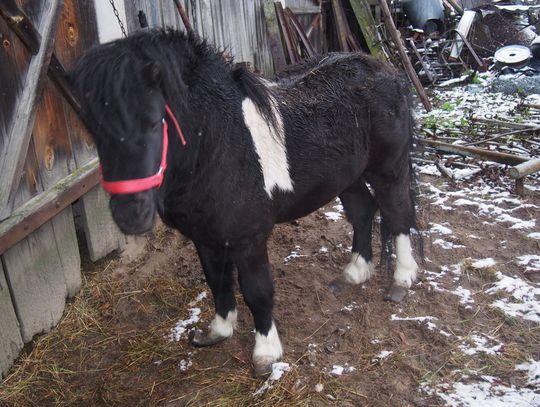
{"x": 222, "y": 155}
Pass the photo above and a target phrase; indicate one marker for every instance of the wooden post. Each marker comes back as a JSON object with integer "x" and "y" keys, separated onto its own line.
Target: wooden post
{"x": 524, "y": 169}
{"x": 396, "y": 37}
{"x": 15, "y": 148}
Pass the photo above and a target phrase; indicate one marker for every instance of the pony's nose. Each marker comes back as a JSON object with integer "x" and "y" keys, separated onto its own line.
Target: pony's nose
{"x": 133, "y": 213}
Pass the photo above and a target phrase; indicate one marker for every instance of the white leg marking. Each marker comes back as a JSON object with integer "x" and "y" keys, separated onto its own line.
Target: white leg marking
{"x": 406, "y": 267}
{"x": 270, "y": 146}
{"x": 358, "y": 270}
{"x": 220, "y": 328}
{"x": 268, "y": 347}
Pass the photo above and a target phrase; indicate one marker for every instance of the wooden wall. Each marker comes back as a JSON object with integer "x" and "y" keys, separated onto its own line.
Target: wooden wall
{"x": 42, "y": 144}
{"x": 236, "y": 26}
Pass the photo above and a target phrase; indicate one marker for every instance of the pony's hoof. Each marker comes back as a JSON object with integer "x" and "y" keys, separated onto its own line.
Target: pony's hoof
{"x": 338, "y": 284}
{"x": 201, "y": 338}
{"x": 262, "y": 365}
{"x": 396, "y": 293}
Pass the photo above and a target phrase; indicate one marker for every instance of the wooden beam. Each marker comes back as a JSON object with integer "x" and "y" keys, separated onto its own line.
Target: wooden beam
{"x": 525, "y": 168}
{"x": 342, "y": 27}
{"x": 367, "y": 25}
{"x": 14, "y": 153}
{"x": 396, "y": 37}
{"x": 286, "y": 34}
{"x": 488, "y": 155}
{"x": 43, "y": 207}
{"x": 304, "y": 40}
{"x": 272, "y": 29}
{"x": 183, "y": 15}
{"x": 21, "y": 25}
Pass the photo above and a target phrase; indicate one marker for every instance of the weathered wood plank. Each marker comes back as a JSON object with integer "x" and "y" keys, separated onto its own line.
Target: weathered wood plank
{"x": 14, "y": 152}
{"x": 38, "y": 210}
{"x": 10, "y": 336}
{"x": 20, "y": 23}
{"x": 366, "y": 23}
{"x": 102, "y": 234}
{"x": 14, "y": 59}
{"x": 36, "y": 275}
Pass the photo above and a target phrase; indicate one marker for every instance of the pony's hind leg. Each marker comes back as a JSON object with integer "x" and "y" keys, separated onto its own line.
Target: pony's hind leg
{"x": 359, "y": 207}
{"x": 395, "y": 199}
{"x": 218, "y": 270}
{"x": 257, "y": 287}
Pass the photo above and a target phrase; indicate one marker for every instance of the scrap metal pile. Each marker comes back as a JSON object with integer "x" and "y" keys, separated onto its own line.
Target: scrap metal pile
{"x": 483, "y": 46}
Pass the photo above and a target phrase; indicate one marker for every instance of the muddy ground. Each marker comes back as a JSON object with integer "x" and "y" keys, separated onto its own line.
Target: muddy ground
{"x": 114, "y": 347}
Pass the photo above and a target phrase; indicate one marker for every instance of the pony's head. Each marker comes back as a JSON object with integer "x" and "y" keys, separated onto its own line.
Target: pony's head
{"x": 121, "y": 93}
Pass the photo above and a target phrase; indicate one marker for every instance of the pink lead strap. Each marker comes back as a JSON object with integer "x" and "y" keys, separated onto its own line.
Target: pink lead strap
{"x": 143, "y": 184}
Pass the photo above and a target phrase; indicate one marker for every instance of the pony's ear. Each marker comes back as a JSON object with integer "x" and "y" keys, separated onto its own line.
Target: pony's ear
{"x": 152, "y": 73}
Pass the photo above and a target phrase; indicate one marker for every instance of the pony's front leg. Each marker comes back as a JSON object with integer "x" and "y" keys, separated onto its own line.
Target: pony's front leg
{"x": 218, "y": 269}
{"x": 257, "y": 287}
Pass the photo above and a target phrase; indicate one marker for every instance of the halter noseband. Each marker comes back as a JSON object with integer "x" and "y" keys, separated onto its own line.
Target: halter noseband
{"x": 143, "y": 184}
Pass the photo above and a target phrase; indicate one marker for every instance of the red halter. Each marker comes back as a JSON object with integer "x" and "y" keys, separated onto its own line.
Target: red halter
{"x": 142, "y": 184}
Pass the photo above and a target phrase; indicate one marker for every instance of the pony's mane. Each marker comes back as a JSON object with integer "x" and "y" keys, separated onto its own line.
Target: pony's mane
{"x": 106, "y": 72}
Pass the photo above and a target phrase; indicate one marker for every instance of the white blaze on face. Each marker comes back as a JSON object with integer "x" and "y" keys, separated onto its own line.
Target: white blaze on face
{"x": 270, "y": 146}
{"x": 406, "y": 266}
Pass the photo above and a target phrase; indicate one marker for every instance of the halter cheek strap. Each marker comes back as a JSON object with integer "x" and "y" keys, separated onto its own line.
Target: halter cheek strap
{"x": 143, "y": 184}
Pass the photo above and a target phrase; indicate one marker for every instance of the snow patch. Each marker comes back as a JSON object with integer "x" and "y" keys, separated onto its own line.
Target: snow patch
{"x": 483, "y": 263}
{"x": 483, "y": 393}
{"x": 381, "y": 356}
{"x": 533, "y": 372}
{"x": 527, "y": 305}
{"x": 532, "y": 259}
{"x": 441, "y": 229}
{"x": 294, "y": 254}
{"x": 447, "y": 245}
{"x": 480, "y": 345}
{"x": 278, "y": 370}
{"x": 198, "y": 299}
{"x": 182, "y": 326}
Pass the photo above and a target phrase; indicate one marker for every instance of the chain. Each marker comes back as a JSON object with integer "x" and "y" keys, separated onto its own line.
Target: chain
{"x": 118, "y": 18}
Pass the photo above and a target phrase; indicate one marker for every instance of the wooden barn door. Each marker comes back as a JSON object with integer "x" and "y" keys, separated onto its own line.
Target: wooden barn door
{"x": 47, "y": 160}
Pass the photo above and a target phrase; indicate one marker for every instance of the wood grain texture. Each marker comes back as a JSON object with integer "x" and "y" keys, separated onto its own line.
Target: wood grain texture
{"x": 36, "y": 274}
{"x": 14, "y": 151}
{"x": 10, "y": 336}
{"x": 102, "y": 234}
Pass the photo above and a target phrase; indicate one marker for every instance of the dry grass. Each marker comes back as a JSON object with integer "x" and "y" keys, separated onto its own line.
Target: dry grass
{"x": 112, "y": 347}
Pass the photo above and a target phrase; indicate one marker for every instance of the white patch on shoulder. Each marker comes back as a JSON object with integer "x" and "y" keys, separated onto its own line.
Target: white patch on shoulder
{"x": 270, "y": 146}
{"x": 358, "y": 270}
{"x": 220, "y": 327}
{"x": 406, "y": 267}
{"x": 268, "y": 346}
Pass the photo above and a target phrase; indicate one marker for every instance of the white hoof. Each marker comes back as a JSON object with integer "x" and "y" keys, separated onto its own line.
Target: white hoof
{"x": 406, "y": 267}
{"x": 267, "y": 351}
{"x": 358, "y": 270}
{"x": 220, "y": 327}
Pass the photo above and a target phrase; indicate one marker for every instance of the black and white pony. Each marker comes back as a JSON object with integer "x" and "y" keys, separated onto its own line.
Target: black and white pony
{"x": 223, "y": 155}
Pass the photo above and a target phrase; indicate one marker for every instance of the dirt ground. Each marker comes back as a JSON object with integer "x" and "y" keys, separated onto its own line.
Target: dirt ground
{"x": 114, "y": 347}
